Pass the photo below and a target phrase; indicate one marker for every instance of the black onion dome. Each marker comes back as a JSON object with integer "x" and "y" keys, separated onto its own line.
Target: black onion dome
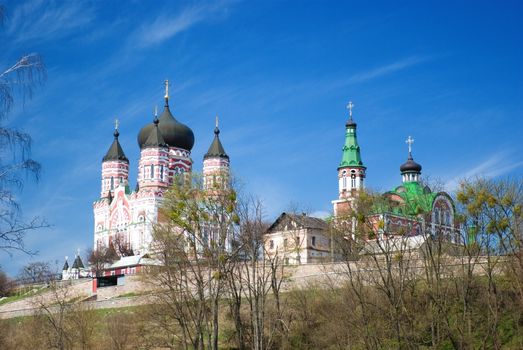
{"x": 155, "y": 139}
{"x": 410, "y": 166}
{"x": 350, "y": 123}
{"x": 144, "y": 133}
{"x": 115, "y": 152}
{"x": 216, "y": 149}
{"x": 173, "y": 132}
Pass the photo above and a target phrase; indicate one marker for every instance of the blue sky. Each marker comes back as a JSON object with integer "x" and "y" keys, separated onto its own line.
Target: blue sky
{"x": 279, "y": 75}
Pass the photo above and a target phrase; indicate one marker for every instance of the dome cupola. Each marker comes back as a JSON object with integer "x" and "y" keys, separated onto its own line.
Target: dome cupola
{"x": 410, "y": 166}
{"x": 174, "y": 133}
{"x": 115, "y": 152}
{"x": 155, "y": 138}
{"x": 410, "y": 170}
{"x": 216, "y": 149}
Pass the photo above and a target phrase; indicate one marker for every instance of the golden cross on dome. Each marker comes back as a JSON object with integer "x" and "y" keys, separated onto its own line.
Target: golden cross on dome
{"x": 116, "y": 124}
{"x": 350, "y": 106}
{"x": 216, "y": 120}
{"x": 409, "y": 142}
{"x": 156, "y": 111}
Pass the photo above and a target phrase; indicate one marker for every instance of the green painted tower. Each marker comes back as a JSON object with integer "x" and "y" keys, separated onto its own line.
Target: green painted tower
{"x": 351, "y": 171}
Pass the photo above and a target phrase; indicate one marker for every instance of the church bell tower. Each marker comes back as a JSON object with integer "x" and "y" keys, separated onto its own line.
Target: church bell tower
{"x": 351, "y": 171}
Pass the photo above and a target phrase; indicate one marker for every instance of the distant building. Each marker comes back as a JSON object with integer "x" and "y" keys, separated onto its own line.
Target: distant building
{"x": 129, "y": 265}
{"x": 298, "y": 239}
{"x": 76, "y": 270}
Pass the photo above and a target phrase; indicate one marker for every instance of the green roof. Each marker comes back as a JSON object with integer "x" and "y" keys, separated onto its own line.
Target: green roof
{"x": 351, "y": 149}
{"x": 417, "y": 199}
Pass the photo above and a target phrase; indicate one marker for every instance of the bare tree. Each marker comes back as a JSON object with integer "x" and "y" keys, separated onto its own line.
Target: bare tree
{"x": 255, "y": 281}
{"x": 99, "y": 259}
{"x": 191, "y": 241}
{"x": 53, "y": 310}
{"x": 36, "y": 272}
{"x": 7, "y": 284}
{"x": 18, "y": 80}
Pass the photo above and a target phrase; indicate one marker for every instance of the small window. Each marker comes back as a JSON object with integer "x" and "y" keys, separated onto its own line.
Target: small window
{"x": 112, "y": 183}
{"x": 271, "y": 244}
{"x": 285, "y": 243}
{"x": 313, "y": 240}
{"x": 161, "y": 172}
{"x": 152, "y": 171}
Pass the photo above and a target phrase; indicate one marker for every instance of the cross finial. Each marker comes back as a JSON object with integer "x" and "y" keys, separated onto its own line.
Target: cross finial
{"x": 166, "y": 89}
{"x": 78, "y": 252}
{"x": 156, "y": 111}
{"x": 216, "y": 120}
{"x": 350, "y": 106}
{"x": 409, "y": 142}
{"x": 116, "y": 124}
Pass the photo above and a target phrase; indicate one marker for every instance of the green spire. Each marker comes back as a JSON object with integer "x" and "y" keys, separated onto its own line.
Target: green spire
{"x": 351, "y": 149}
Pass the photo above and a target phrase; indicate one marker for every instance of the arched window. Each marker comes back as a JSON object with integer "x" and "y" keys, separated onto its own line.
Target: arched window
{"x": 161, "y": 172}
{"x": 152, "y": 171}
{"x": 344, "y": 179}
{"x": 353, "y": 179}
{"x": 112, "y": 183}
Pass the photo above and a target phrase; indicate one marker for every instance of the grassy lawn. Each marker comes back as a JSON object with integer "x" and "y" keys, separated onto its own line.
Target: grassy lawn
{"x": 21, "y": 296}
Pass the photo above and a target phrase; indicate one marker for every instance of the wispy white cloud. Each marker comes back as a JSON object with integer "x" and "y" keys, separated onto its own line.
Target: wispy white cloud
{"x": 44, "y": 20}
{"x": 496, "y": 165}
{"x": 329, "y": 85}
{"x": 166, "y": 26}
{"x": 389, "y": 68}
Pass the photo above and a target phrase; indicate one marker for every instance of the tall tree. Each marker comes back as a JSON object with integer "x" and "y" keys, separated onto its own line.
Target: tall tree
{"x": 16, "y": 82}
{"x": 192, "y": 243}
